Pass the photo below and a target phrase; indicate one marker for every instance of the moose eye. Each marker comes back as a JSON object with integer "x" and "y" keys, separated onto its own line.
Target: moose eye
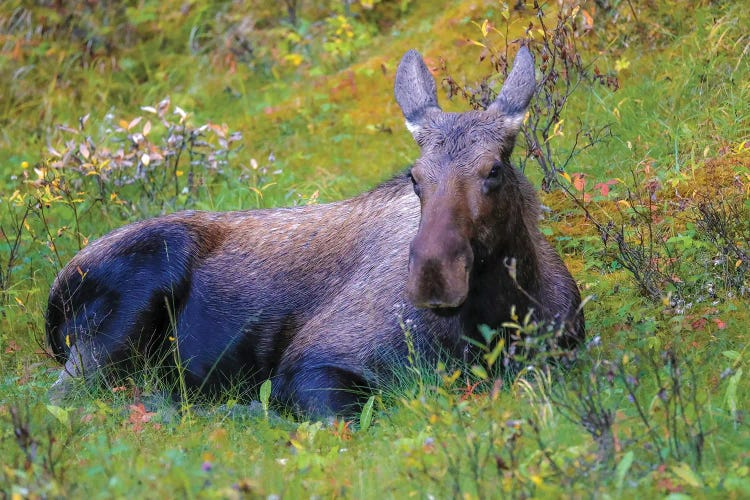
{"x": 494, "y": 172}
{"x": 414, "y": 184}
{"x": 492, "y": 180}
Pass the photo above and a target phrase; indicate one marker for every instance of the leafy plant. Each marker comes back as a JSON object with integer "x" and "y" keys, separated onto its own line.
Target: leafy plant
{"x": 562, "y": 72}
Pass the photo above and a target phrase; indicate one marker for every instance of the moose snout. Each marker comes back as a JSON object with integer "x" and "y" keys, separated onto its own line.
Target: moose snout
{"x": 439, "y": 273}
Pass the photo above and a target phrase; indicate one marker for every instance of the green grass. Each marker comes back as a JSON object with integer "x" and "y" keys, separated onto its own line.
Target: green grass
{"x": 680, "y": 121}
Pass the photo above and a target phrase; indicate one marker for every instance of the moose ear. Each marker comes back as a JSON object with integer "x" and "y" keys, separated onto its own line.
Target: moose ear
{"x": 517, "y": 90}
{"x": 415, "y": 91}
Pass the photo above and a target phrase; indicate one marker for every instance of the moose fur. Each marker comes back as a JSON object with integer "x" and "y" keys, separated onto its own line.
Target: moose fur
{"x": 315, "y": 297}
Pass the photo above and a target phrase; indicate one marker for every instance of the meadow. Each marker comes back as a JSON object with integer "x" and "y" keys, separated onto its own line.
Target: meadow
{"x": 639, "y": 142}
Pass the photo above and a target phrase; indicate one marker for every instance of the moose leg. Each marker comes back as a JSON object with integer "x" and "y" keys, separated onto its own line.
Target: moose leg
{"x": 320, "y": 390}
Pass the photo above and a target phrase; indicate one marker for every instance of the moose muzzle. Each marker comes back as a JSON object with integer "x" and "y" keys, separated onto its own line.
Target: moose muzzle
{"x": 440, "y": 263}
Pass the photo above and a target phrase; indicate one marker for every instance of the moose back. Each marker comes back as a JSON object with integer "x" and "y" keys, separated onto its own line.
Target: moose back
{"x": 306, "y": 295}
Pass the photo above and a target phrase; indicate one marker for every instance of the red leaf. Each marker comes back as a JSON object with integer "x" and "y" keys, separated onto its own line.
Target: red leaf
{"x": 720, "y": 324}
{"x": 139, "y": 416}
{"x": 603, "y": 187}
{"x": 12, "y": 347}
{"x": 579, "y": 182}
{"x": 699, "y": 324}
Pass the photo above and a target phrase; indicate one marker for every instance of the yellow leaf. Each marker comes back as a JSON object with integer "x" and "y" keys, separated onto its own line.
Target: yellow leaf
{"x": 294, "y": 59}
{"x": 556, "y": 130}
{"x": 588, "y": 19}
{"x": 448, "y": 380}
{"x": 67, "y": 341}
{"x": 738, "y": 263}
{"x": 179, "y": 173}
{"x": 566, "y": 177}
{"x": 485, "y": 29}
{"x": 684, "y": 472}
{"x": 19, "y": 302}
{"x": 622, "y": 64}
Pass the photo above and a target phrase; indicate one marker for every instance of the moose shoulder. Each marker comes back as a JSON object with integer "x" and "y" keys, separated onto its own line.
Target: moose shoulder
{"x": 306, "y": 295}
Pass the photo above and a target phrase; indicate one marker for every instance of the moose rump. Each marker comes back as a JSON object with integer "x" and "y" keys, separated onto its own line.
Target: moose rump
{"x": 305, "y": 295}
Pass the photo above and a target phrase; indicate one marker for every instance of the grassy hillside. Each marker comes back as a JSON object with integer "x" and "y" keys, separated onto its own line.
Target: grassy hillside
{"x": 112, "y": 112}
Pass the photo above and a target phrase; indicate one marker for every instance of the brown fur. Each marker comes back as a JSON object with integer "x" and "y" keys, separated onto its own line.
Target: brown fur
{"x": 313, "y": 297}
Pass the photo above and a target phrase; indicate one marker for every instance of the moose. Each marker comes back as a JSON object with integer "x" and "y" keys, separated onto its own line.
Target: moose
{"x": 305, "y": 295}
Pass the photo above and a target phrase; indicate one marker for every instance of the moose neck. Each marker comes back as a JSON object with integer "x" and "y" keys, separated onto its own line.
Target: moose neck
{"x": 514, "y": 252}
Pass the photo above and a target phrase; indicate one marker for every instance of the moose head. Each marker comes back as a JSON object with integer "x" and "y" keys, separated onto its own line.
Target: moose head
{"x": 463, "y": 179}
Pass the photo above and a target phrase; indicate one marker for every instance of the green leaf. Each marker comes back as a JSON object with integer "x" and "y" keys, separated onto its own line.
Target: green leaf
{"x": 265, "y": 394}
{"x": 684, "y": 472}
{"x": 678, "y": 496}
{"x": 61, "y": 414}
{"x": 365, "y": 418}
{"x": 730, "y": 397}
{"x": 487, "y": 332}
{"x": 623, "y": 467}
{"x": 733, "y": 355}
{"x": 480, "y": 372}
{"x": 491, "y": 357}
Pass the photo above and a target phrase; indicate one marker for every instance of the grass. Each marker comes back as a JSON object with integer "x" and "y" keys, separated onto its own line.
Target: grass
{"x": 658, "y": 403}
